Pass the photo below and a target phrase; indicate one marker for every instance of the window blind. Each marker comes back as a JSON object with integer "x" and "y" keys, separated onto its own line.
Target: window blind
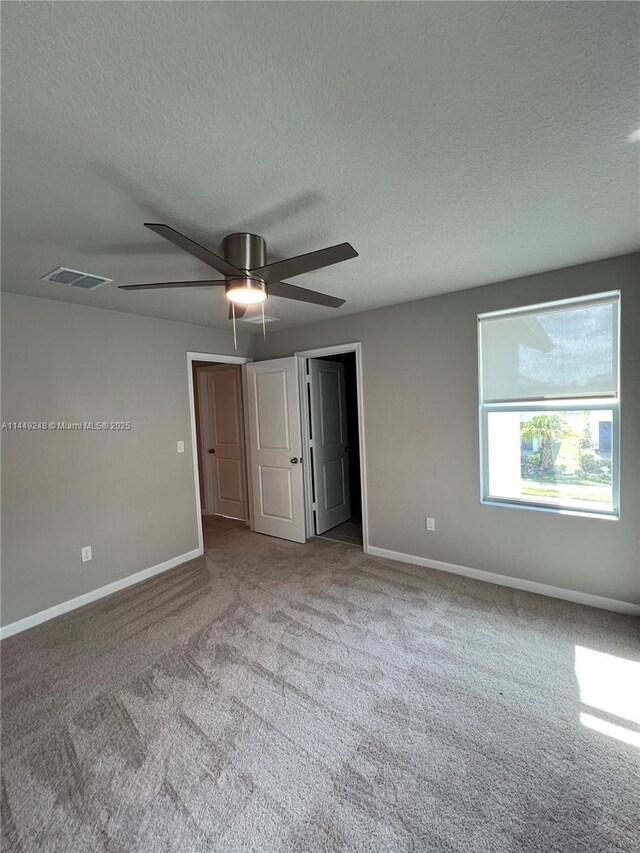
{"x": 558, "y": 352}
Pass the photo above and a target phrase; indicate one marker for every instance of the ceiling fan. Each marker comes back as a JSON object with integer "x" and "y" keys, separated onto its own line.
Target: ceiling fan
{"x": 248, "y": 279}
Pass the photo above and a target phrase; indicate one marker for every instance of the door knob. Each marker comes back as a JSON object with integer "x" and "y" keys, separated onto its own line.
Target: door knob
{"x": 211, "y": 450}
{"x": 294, "y": 460}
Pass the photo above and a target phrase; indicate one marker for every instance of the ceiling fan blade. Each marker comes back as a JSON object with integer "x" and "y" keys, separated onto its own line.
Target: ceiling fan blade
{"x": 240, "y": 311}
{"x": 159, "y": 285}
{"x": 306, "y": 263}
{"x": 290, "y": 291}
{"x": 194, "y": 249}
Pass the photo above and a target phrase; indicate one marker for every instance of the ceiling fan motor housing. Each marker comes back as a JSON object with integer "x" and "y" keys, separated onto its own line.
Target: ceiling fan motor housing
{"x": 245, "y": 251}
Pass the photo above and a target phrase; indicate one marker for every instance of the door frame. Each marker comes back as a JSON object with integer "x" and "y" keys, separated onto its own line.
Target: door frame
{"x": 212, "y": 358}
{"x": 302, "y": 357}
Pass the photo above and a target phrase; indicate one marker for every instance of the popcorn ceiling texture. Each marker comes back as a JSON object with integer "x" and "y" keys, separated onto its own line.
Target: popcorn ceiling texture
{"x": 454, "y": 144}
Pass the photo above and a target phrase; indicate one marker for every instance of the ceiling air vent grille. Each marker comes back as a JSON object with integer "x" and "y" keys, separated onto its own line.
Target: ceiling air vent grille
{"x": 256, "y": 319}
{"x": 75, "y": 278}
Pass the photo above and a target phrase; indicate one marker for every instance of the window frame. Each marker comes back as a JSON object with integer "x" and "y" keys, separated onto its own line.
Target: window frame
{"x": 591, "y": 402}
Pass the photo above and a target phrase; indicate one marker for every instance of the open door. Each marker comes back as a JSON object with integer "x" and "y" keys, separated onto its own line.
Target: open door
{"x": 329, "y": 448}
{"x": 275, "y": 448}
{"x": 224, "y": 454}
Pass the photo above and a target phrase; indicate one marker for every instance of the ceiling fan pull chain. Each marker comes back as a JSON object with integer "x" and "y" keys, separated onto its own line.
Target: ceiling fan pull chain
{"x": 235, "y": 338}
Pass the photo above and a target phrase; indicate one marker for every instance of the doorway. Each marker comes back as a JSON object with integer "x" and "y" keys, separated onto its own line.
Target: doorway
{"x": 221, "y": 441}
{"x": 277, "y": 425}
{"x": 332, "y": 423}
{"x": 217, "y": 407}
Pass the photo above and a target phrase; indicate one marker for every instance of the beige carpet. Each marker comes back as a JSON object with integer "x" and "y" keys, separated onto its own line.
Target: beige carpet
{"x": 280, "y": 697}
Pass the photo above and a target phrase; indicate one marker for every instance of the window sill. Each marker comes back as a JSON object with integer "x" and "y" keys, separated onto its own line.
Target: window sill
{"x": 606, "y": 515}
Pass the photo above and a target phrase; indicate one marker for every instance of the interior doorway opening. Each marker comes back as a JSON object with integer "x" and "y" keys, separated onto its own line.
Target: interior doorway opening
{"x": 218, "y": 438}
{"x": 334, "y": 471}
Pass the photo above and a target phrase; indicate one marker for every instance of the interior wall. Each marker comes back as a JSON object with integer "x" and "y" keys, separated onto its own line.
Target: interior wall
{"x": 127, "y": 493}
{"x": 420, "y": 390}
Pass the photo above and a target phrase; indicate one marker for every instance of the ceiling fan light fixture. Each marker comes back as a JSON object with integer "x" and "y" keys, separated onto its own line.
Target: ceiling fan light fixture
{"x": 246, "y": 291}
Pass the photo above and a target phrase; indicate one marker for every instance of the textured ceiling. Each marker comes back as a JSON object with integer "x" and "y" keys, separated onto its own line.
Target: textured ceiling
{"x": 453, "y": 144}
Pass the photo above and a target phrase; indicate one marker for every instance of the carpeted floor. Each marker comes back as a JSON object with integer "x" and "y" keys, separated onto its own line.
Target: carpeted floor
{"x": 282, "y": 697}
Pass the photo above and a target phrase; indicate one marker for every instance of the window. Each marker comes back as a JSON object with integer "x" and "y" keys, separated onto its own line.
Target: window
{"x": 550, "y": 405}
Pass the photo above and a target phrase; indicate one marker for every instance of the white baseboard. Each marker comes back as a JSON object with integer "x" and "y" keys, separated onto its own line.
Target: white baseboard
{"x": 477, "y": 574}
{"x": 516, "y": 583}
{"x": 94, "y": 595}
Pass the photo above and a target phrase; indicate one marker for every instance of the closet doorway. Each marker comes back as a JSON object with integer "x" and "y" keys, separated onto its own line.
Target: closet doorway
{"x": 335, "y": 493}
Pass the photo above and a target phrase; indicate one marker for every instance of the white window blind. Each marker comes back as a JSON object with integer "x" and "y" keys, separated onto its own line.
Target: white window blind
{"x": 553, "y": 352}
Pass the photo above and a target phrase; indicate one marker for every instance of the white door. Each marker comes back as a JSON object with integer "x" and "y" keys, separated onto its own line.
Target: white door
{"x": 329, "y": 450}
{"x": 224, "y": 450}
{"x": 275, "y": 446}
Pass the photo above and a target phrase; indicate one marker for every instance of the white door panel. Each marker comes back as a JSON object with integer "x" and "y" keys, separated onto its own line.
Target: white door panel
{"x": 333, "y": 475}
{"x": 229, "y": 480}
{"x": 274, "y": 443}
{"x": 329, "y": 450}
{"x": 272, "y": 422}
{"x": 275, "y": 492}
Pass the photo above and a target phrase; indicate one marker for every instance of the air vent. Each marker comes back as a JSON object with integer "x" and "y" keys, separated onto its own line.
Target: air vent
{"x": 257, "y": 319}
{"x": 75, "y": 278}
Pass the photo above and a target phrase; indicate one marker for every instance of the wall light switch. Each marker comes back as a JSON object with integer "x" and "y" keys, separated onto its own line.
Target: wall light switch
{"x": 181, "y": 447}
{"x": 86, "y": 554}
{"x": 430, "y": 523}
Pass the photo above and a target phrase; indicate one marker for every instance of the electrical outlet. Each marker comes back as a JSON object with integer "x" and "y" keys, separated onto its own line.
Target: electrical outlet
{"x": 181, "y": 447}
{"x": 86, "y": 553}
{"x": 430, "y": 524}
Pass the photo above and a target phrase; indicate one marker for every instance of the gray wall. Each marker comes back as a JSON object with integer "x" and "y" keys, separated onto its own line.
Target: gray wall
{"x": 129, "y": 495}
{"x": 421, "y": 430}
